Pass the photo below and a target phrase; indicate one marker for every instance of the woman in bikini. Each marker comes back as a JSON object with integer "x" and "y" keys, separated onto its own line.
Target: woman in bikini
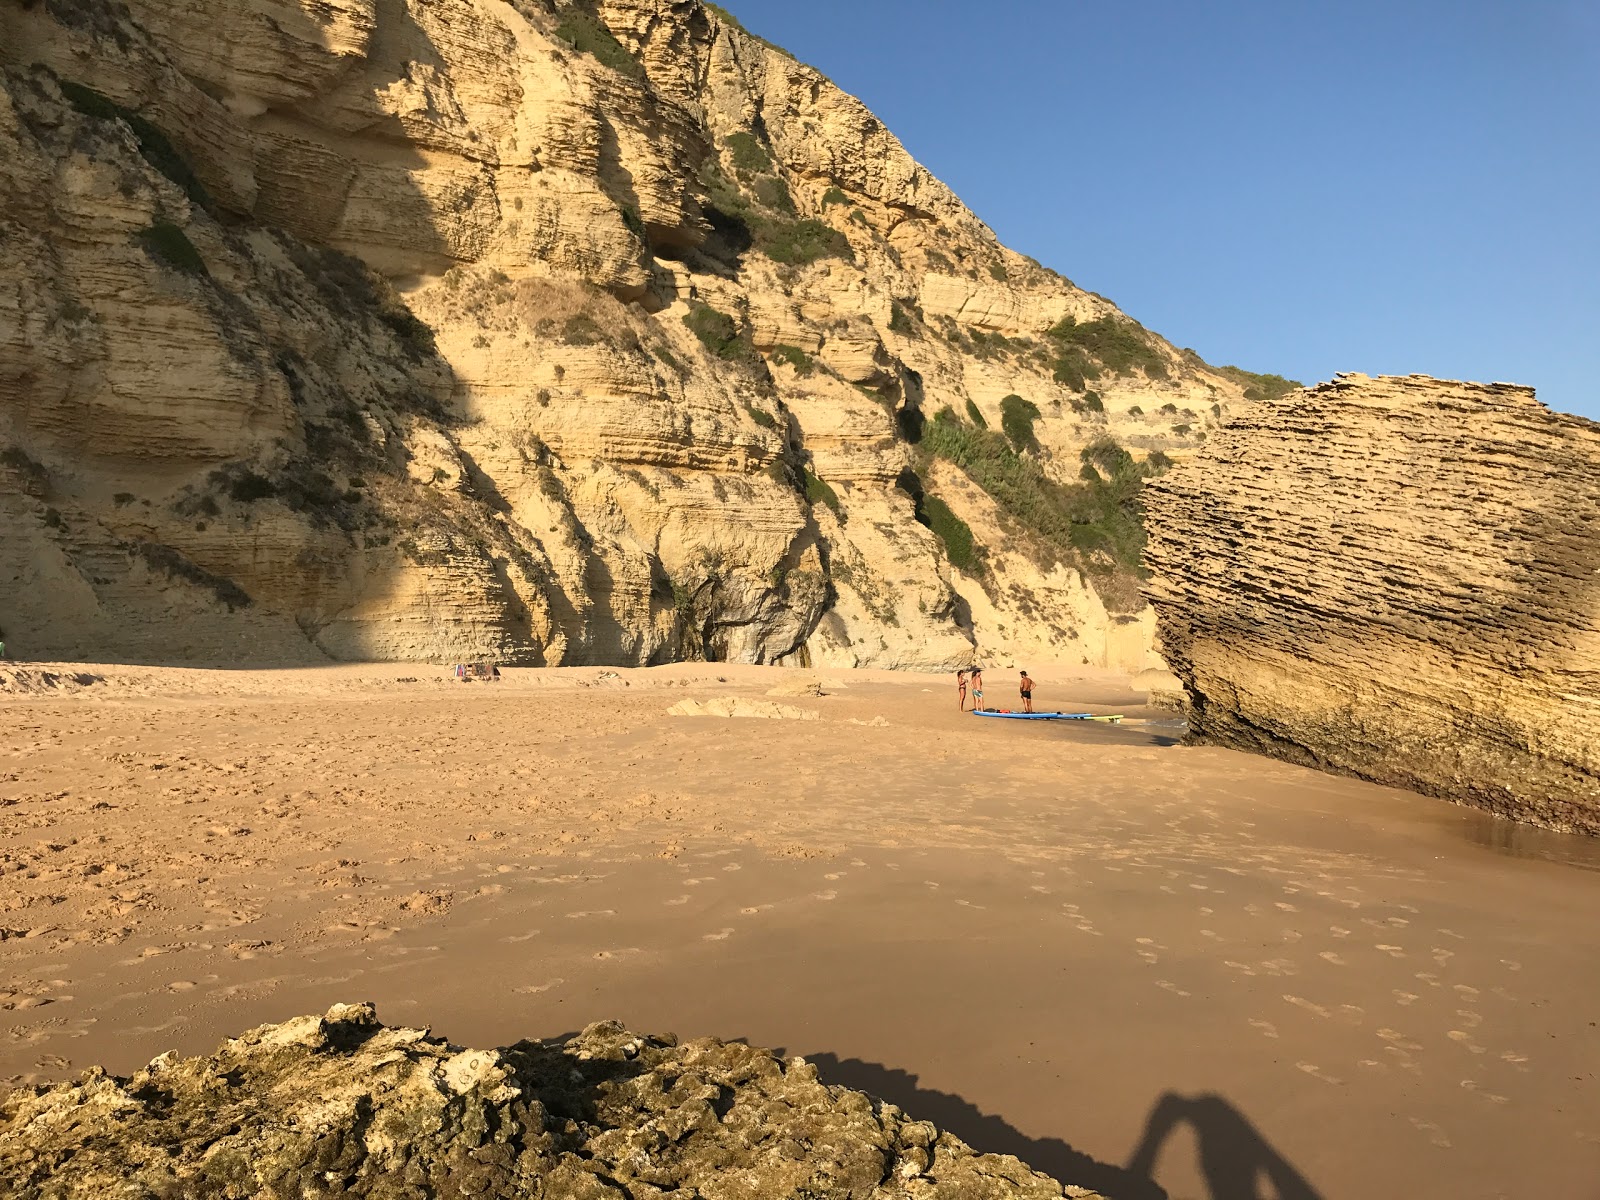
{"x": 961, "y": 688}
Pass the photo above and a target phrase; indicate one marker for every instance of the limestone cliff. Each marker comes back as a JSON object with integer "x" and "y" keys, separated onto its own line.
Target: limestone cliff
{"x": 553, "y": 332}
{"x": 340, "y": 1105}
{"x": 1397, "y": 578}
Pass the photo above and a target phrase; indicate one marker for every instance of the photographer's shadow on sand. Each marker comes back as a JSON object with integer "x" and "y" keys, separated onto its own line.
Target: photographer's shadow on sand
{"x": 1234, "y": 1159}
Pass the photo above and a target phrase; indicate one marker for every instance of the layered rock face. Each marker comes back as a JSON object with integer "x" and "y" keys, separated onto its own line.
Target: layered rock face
{"x": 1396, "y": 578}
{"x": 340, "y": 1105}
{"x": 557, "y": 333}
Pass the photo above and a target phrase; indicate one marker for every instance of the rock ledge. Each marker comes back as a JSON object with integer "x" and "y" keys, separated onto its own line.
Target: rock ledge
{"x": 343, "y": 1105}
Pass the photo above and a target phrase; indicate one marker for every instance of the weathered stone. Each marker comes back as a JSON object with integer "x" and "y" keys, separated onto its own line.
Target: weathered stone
{"x": 1396, "y": 578}
{"x": 341, "y": 1105}
{"x": 222, "y": 441}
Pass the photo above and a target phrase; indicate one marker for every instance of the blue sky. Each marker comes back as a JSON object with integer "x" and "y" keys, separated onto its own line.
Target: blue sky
{"x": 1301, "y": 188}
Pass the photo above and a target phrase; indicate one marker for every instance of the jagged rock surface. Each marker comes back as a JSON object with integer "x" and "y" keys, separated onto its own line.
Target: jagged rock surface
{"x": 341, "y": 1105}
{"x": 1396, "y": 578}
{"x": 331, "y": 328}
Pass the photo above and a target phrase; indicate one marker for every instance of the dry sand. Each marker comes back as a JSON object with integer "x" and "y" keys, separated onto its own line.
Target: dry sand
{"x": 1029, "y": 933}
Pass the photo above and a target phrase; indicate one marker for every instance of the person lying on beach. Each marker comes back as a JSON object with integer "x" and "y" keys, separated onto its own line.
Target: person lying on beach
{"x": 1027, "y": 692}
{"x": 961, "y": 688}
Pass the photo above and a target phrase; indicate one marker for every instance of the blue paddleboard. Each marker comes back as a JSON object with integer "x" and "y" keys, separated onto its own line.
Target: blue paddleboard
{"x": 1052, "y": 716}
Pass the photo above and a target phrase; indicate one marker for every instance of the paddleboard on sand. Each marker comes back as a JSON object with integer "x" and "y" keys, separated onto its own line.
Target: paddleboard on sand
{"x": 1051, "y": 716}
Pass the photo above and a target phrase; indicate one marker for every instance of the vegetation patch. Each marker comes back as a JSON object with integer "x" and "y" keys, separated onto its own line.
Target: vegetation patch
{"x": 720, "y": 334}
{"x": 761, "y": 417}
{"x": 727, "y": 18}
{"x": 998, "y": 272}
{"x": 1016, "y": 419}
{"x": 953, "y": 533}
{"x": 1096, "y": 523}
{"x": 154, "y": 146}
{"x": 820, "y": 491}
{"x": 800, "y": 243}
{"x": 899, "y": 320}
{"x": 748, "y": 152}
{"x": 795, "y": 357}
{"x": 834, "y": 196}
{"x": 1085, "y": 350}
{"x": 1259, "y": 388}
{"x": 586, "y": 34}
{"x": 168, "y": 244}
{"x": 975, "y": 415}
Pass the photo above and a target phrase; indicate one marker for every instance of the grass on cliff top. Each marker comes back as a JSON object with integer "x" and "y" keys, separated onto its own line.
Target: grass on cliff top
{"x": 1096, "y": 523}
{"x": 1259, "y": 387}
{"x": 1086, "y": 350}
{"x": 727, "y": 18}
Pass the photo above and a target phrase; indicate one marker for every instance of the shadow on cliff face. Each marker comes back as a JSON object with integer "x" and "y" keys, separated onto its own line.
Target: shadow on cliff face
{"x": 1234, "y": 1158}
{"x": 323, "y": 501}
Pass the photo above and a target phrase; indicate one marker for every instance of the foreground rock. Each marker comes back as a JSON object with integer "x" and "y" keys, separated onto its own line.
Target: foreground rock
{"x": 1396, "y": 578}
{"x": 560, "y": 334}
{"x": 341, "y": 1105}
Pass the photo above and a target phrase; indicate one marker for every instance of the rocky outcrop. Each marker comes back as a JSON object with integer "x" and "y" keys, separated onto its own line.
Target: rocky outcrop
{"x": 1396, "y": 578}
{"x": 341, "y": 1105}
{"x": 550, "y": 331}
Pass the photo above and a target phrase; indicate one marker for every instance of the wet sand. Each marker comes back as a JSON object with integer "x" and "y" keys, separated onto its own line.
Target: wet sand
{"x": 1137, "y": 965}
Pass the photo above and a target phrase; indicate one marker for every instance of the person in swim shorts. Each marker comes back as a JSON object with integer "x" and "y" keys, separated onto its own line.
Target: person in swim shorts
{"x": 1027, "y": 692}
{"x": 977, "y": 688}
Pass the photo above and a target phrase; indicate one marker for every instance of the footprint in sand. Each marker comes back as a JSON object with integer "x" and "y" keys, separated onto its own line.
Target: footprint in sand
{"x": 970, "y": 904}
{"x": 1168, "y": 985}
{"x": 1317, "y": 1072}
{"x": 1330, "y": 956}
{"x": 1465, "y": 990}
{"x": 830, "y": 894}
{"x": 521, "y": 937}
{"x": 754, "y": 911}
{"x": 1391, "y": 951}
{"x": 1265, "y": 1028}
{"x": 1309, "y": 1006}
{"x": 1473, "y": 1085}
{"x": 1212, "y": 934}
{"x": 1406, "y": 998}
{"x": 1510, "y": 964}
{"x": 733, "y": 867}
{"x": 679, "y": 900}
{"x": 1338, "y": 932}
{"x": 599, "y": 912}
{"x": 1462, "y": 1038}
{"x": 1398, "y": 1040}
{"x": 1285, "y": 907}
{"x": 835, "y": 875}
{"x": 533, "y": 989}
{"x": 1435, "y": 1134}
{"x": 928, "y": 883}
{"x": 1469, "y": 1019}
{"x": 721, "y": 935}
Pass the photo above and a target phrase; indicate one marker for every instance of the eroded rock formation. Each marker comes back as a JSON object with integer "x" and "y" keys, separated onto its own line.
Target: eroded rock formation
{"x": 1396, "y": 578}
{"x": 555, "y": 332}
{"x": 341, "y": 1105}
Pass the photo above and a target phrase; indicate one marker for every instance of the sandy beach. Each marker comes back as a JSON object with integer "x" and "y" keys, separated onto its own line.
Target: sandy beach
{"x": 1142, "y": 967}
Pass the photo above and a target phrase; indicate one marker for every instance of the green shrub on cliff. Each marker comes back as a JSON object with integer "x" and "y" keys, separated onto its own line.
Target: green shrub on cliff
{"x": 1016, "y": 419}
{"x": 1259, "y": 387}
{"x": 1087, "y": 349}
{"x": 720, "y": 334}
{"x": 586, "y": 34}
